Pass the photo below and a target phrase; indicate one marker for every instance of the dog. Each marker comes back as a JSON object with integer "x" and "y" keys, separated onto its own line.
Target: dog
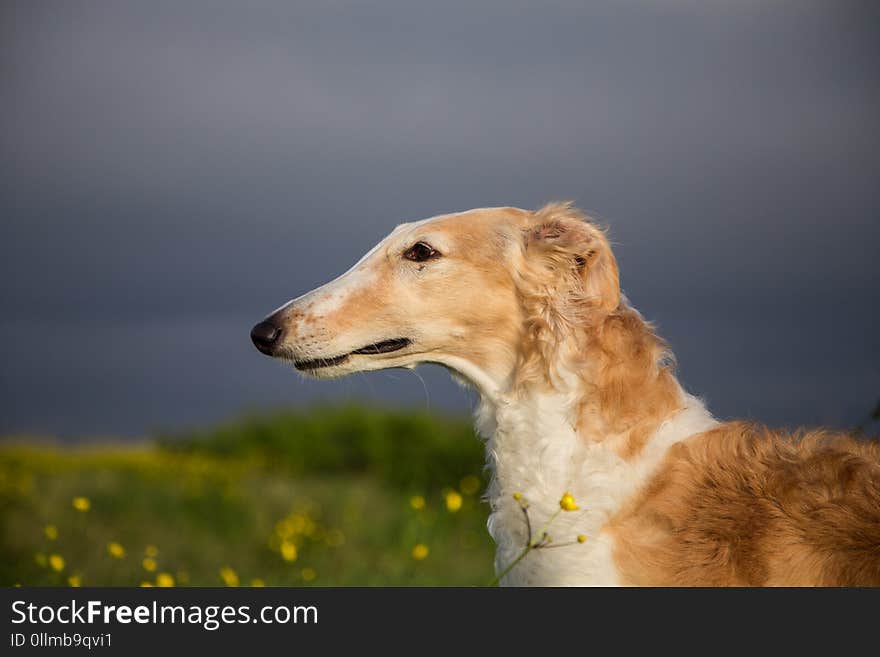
{"x": 578, "y": 396}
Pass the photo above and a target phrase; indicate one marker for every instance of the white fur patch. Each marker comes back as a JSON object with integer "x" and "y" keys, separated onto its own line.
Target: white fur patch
{"x": 533, "y": 449}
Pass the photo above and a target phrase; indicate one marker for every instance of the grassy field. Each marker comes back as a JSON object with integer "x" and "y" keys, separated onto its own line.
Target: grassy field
{"x": 332, "y": 496}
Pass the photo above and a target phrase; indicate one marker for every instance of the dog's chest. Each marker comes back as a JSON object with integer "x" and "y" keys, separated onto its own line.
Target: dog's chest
{"x": 534, "y": 449}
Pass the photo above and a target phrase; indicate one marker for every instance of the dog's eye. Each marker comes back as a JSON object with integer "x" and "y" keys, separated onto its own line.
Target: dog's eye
{"x": 419, "y": 252}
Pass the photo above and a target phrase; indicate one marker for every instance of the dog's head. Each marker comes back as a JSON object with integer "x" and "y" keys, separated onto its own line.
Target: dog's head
{"x": 469, "y": 291}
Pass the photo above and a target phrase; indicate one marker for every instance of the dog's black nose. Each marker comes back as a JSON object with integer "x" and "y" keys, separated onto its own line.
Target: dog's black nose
{"x": 266, "y": 336}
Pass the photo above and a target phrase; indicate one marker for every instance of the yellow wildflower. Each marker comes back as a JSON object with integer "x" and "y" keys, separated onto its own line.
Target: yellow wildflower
{"x": 288, "y": 551}
{"x": 308, "y": 574}
{"x": 581, "y": 538}
{"x": 146, "y": 585}
{"x": 51, "y": 532}
{"x": 151, "y": 551}
{"x": 56, "y": 562}
{"x": 417, "y": 502}
{"x": 453, "y": 501}
{"x": 420, "y": 551}
{"x": 567, "y": 503}
{"x": 229, "y": 576}
{"x": 304, "y": 525}
{"x": 81, "y": 503}
{"x": 149, "y": 564}
{"x": 517, "y": 497}
{"x": 470, "y": 484}
{"x": 164, "y": 580}
{"x": 115, "y": 550}
{"x": 285, "y": 528}
{"x": 257, "y": 582}
{"x": 74, "y": 581}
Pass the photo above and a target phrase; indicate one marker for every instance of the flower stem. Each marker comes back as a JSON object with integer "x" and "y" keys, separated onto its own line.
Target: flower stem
{"x": 535, "y": 541}
{"x": 543, "y": 531}
{"x": 497, "y": 579}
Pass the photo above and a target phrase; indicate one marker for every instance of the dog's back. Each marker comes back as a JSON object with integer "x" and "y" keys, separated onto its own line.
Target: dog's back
{"x": 741, "y": 505}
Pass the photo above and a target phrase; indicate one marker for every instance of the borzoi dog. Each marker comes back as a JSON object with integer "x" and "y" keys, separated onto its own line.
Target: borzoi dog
{"x": 578, "y": 395}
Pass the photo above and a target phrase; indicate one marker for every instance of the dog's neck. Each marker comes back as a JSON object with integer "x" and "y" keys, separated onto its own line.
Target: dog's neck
{"x": 596, "y": 426}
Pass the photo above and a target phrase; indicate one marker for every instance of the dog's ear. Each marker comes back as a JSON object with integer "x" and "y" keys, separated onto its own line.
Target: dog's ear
{"x": 570, "y": 261}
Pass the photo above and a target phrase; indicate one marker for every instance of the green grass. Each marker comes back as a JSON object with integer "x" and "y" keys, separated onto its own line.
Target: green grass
{"x": 329, "y": 489}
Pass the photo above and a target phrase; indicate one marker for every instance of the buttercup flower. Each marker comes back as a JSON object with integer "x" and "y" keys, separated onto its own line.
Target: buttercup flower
{"x": 229, "y": 576}
{"x": 56, "y": 562}
{"x": 115, "y": 550}
{"x": 285, "y": 528}
{"x": 151, "y": 551}
{"x": 81, "y": 503}
{"x": 417, "y": 502}
{"x": 288, "y": 551}
{"x": 74, "y": 581}
{"x": 308, "y": 574}
{"x": 51, "y": 532}
{"x": 567, "y": 503}
{"x": 541, "y": 539}
{"x": 453, "y": 501}
{"x": 149, "y": 564}
{"x": 164, "y": 580}
{"x": 470, "y": 484}
{"x": 257, "y": 582}
{"x": 420, "y": 551}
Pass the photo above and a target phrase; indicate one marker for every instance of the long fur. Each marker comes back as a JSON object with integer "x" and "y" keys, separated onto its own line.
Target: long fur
{"x": 579, "y": 395}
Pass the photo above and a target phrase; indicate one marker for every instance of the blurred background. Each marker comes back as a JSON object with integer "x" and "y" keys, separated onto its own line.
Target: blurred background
{"x": 173, "y": 171}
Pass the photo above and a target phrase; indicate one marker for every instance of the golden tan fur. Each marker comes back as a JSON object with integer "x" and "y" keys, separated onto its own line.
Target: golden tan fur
{"x": 742, "y": 505}
{"x": 569, "y": 288}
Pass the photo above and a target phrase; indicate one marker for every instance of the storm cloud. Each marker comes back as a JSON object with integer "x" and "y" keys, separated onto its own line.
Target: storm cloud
{"x": 172, "y": 171}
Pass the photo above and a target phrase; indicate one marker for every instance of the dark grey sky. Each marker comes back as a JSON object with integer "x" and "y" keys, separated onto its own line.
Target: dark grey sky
{"x": 171, "y": 171}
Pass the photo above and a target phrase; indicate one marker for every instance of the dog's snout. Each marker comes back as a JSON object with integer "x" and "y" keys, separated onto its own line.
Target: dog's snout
{"x": 266, "y": 336}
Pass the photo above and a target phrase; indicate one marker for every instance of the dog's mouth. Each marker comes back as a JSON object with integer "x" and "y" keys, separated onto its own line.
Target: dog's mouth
{"x": 384, "y": 347}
